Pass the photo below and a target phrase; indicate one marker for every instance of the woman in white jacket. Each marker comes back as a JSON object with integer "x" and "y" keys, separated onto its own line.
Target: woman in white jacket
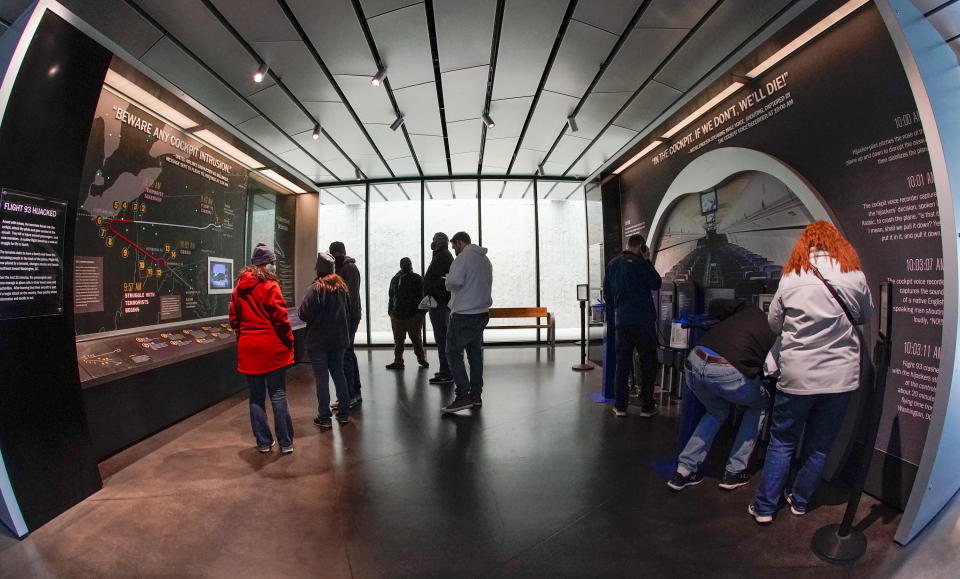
{"x": 819, "y": 362}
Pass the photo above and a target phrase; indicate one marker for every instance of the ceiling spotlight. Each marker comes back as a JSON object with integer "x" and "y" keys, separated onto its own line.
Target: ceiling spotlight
{"x": 381, "y": 74}
{"x": 316, "y": 132}
{"x": 572, "y": 121}
{"x": 261, "y": 72}
{"x": 396, "y": 124}
{"x": 489, "y": 122}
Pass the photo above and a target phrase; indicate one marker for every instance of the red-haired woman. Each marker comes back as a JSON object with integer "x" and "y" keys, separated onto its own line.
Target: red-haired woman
{"x": 258, "y": 313}
{"x": 326, "y": 311}
{"x": 819, "y": 362}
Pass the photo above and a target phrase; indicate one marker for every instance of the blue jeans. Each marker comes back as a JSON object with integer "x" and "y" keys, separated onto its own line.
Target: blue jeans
{"x": 439, "y": 317}
{"x": 821, "y": 415}
{"x": 328, "y": 364}
{"x": 350, "y": 367}
{"x": 466, "y": 333}
{"x": 718, "y": 387}
{"x": 273, "y": 383}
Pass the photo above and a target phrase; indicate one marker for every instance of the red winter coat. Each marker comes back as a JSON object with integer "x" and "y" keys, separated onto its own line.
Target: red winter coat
{"x": 258, "y": 313}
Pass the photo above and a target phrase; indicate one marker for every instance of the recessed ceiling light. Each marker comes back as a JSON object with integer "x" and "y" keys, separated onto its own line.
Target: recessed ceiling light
{"x": 143, "y": 98}
{"x": 734, "y": 87}
{"x": 282, "y": 181}
{"x": 226, "y": 148}
{"x": 638, "y": 156}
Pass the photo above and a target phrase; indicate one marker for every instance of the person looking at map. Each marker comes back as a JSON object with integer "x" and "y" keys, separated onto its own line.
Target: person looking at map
{"x": 258, "y": 314}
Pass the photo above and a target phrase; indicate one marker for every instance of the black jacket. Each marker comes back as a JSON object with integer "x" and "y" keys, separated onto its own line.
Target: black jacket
{"x": 627, "y": 288}
{"x": 406, "y": 291}
{"x": 351, "y": 275}
{"x": 742, "y": 336}
{"x": 433, "y": 283}
{"x": 327, "y": 316}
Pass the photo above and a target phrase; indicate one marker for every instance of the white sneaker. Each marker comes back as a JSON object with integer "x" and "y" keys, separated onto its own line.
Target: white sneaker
{"x": 760, "y": 519}
{"x": 793, "y": 509}
{"x": 265, "y": 449}
{"x": 286, "y": 449}
{"x": 619, "y": 413}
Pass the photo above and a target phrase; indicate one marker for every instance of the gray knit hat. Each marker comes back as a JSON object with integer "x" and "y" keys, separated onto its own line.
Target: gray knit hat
{"x": 325, "y": 263}
{"x": 262, "y": 255}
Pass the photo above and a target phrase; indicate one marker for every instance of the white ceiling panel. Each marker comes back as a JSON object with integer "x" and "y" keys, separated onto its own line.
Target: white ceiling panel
{"x": 610, "y": 15}
{"x": 438, "y": 190}
{"x": 560, "y": 190}
{"x": 403, "y": 166}
{"x": 420, "y": 110}
{"x": 568, "y": 149}
{"x": 266, "y": 135}
{"x": 371, "y": 103}
{"x": 583, "y": 50}
{"x": 434, "y": 169}
{"x": 276, "y": 105}
{"x": 526, "y": 38}
{"x": 298, "y": 69}
{"x": 464, "y": 92}
{"x": 465, "y": 163}
{"x": 947, "y": 21}
{"x": 526, "y": 162}
{"x": 335, "y": 119}
{"x": 649, "y": 104}
{"x": 257, "y": 20}
{"x": 597, "y": 111}
{"x": 114, "y": 18}
{"x": 184, "y": 72}
{"x": 552, "y": 168}
{"x": 335, "y": 32}
{"x": 373, "y": 8}
{"x": 198, "y": 29}
{"x": 404, "y": 45}
{"x": 320, "y": 148}
{"x": 639, "y": 56}
{"x": 371, "y": 166}
{"x": 497, "y": 153}
{"x": 730, "y": 25}
{"x": 673, "y": 14}
{"x": 391, "y": 143}
{"x": 306, "y": 165}
{"x": 548, "y": 119}
{"x": 464, "y": 33}
{"x": 464, "y": 189}
{"x": 509, "y": 115}
{"x": 464, "y": 136}
{"x": 431, "y": 153}
{"x": 606, "y": 147}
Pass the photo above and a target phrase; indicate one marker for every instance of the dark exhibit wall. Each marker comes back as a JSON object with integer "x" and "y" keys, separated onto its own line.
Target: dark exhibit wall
{"x": 840, "y": 114}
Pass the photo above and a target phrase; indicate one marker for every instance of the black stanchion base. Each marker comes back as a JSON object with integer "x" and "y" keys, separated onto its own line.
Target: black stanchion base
{"x": 584, "y": 367}
{"x": 833, "y": 548}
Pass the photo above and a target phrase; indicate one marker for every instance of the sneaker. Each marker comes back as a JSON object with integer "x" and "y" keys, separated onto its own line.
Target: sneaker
{"x": 475, "y": 398}
{"x": 325, "y": 422}
{"x": 423, "y": 363}
{"x": 619, "y": 413}
{"x": 343, "y": 419}
{"x": 793, "y": 509}
{"x": 440, "y": 379}
{"x": 649, "y": 411}
{"x": 265, "y": 449}
{"x": 334, "y": 405}
{"x": 459, "y": 403}
{"x": 395, "y": 366}
{"x": 356, "y": 401}
{"x": 287, "y": 449}
{"x": 760, "y": 519}
{"x": 732, "y": 480}
{"x": 678, "y": 482}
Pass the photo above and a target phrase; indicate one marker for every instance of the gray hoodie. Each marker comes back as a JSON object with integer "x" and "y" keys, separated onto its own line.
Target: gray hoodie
{"x": 470, "y": 280}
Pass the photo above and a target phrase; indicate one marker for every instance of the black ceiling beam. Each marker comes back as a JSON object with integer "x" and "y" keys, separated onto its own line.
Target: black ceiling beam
{"x": 603, "y": 68}
{"x": 273, "y": 75}
{"x": 291, "y": 17}
{"x": 432, "y": 30}
{"x": 153, "y": 22}
{"x": 673, "y": 52}
{"x": 491, "y": 76}
{"x": 571, "y": 7}
{"x": 371, "y": 43}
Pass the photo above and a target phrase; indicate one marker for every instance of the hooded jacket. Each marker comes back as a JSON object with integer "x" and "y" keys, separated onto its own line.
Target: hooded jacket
{"x": 406, "y": 291}
{"x": 627, "y": 288}
{"x": 258, "y": 314}
{"x": 819, "y": 348}
{"x": 327, "y": 315}
{"x": 433, "y": 283}
{"x": 470, "y": 281}
{"x": 742, "y": 335}
{"x": 350, "y": 273}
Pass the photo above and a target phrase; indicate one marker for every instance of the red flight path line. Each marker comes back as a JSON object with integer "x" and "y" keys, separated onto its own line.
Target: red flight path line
{"x": 128, "y": 240}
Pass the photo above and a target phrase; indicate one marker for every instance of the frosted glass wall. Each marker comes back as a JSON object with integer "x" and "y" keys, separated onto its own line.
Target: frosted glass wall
{"x": 563, "y": 253}
{"x": 341, "y": 217}
{"x": 394, "y": 234}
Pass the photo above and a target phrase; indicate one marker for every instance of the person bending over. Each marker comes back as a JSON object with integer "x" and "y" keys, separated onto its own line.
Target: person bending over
{"x": 406, "y": 317}
{"x": 723, "y": 370}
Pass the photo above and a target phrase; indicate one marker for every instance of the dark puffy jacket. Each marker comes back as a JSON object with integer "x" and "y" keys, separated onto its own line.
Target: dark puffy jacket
{"x": 351, "y": 275}
{"x": 406, "y": 291}
{"x": 627, "y": 288}
{"x": 326, "y": 313}
{"x": 433, "y": 283}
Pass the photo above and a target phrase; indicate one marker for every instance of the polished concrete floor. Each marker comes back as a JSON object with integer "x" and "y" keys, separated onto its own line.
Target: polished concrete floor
{"x": 540, "y": 481}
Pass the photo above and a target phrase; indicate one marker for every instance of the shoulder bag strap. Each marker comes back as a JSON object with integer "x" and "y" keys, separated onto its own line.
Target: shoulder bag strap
{"x": 833, "y": 292}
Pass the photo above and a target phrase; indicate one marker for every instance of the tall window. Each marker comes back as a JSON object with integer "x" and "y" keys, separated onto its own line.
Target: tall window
{"x": 563, "y": 252}
{"x": 342, "y": 217}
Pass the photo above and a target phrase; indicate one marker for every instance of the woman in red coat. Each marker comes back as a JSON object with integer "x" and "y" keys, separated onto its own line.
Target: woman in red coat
{"x": 258, "y": 313}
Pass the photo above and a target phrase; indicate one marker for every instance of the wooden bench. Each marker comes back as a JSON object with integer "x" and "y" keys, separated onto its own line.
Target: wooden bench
{"x": 538, "y": 313}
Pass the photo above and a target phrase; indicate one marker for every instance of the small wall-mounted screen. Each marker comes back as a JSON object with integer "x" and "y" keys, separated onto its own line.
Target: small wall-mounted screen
{"x": 708, "y": 202}
{"x": 219, "y": 275}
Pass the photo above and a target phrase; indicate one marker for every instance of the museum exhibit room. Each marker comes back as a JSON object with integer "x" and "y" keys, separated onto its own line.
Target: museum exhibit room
{"x": 479, "y": 288}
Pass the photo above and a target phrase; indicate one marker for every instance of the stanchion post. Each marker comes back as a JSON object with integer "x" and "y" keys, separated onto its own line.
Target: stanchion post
{"x": 583, "y": 297}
